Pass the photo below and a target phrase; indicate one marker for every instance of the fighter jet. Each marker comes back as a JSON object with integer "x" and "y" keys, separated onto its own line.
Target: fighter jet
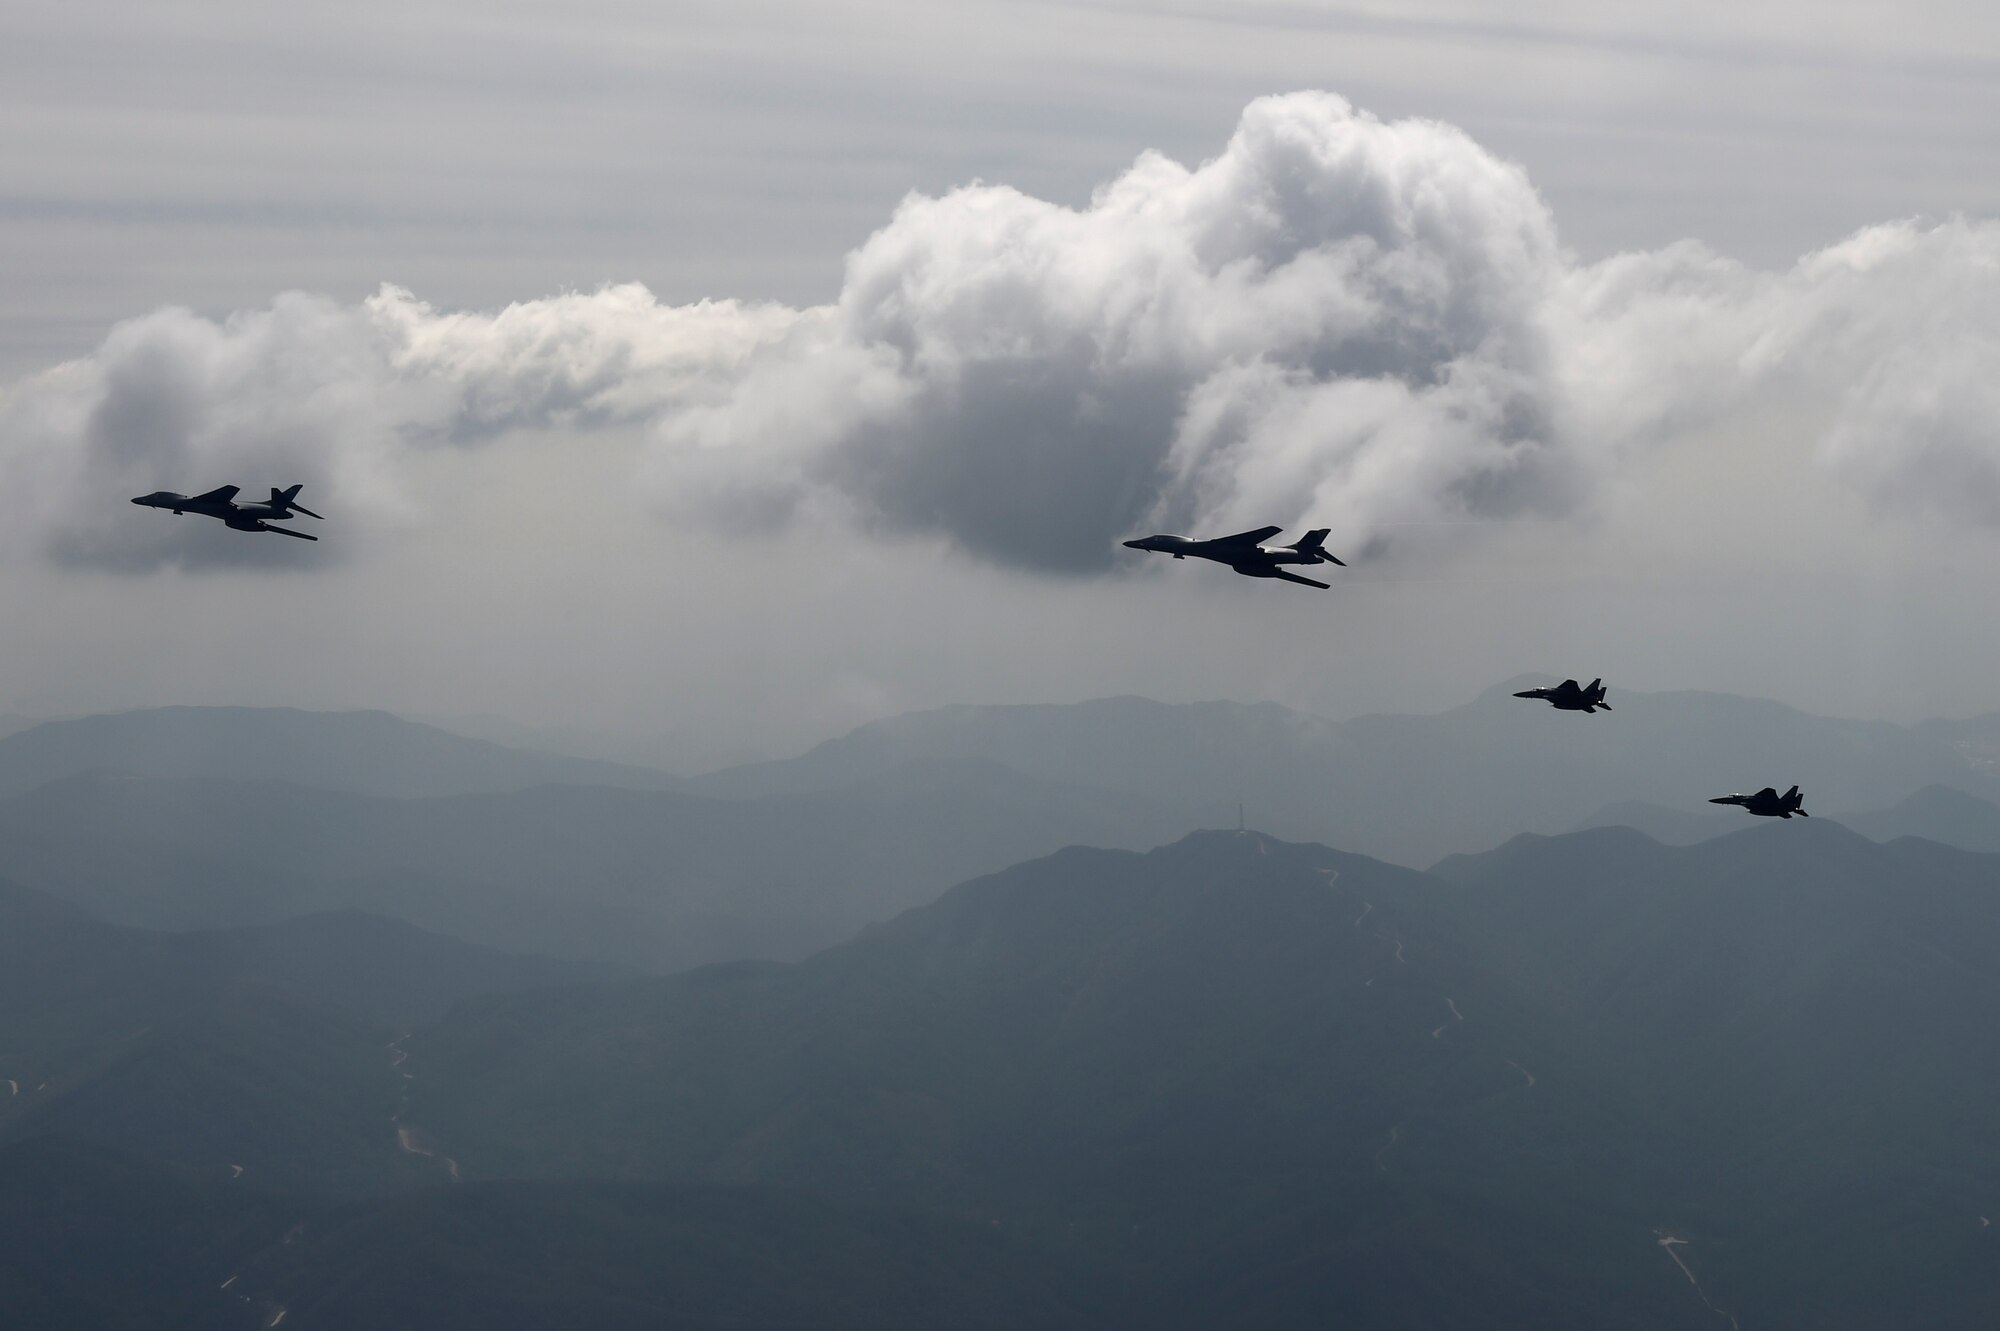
{"x": 1244, "y": 553}
{"x": 1768, "y": 803}
{"x": 241, "y": 517}
{"x": 1567, "y": 697}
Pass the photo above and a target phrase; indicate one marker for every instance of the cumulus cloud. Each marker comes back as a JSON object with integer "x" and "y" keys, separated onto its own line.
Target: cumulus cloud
{"x": 333, "y": 396}
{"x": 1336, "y": 321}
{"x": 1336, "y": 317}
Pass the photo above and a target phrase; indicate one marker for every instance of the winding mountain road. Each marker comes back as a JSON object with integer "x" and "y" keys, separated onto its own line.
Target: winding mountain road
{"x": 1456, "y": 1016}
{"x": 1668, "y": 1242}
{"x": 407, "y": 1137}
{"x": 1382, "y": 1153}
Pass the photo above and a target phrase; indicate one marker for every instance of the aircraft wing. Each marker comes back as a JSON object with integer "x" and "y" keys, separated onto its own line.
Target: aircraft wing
{"x": 1249, "y": 538}
{"x": 1293, "y": 577}
{"x": 287, "y": 531}
{"x": 223, "y": 496}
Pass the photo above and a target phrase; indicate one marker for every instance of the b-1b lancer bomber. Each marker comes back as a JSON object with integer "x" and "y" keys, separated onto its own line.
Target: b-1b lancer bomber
{"x": 1567, "y": 697}
{"x": 1768, "y": 803}
{"x": 1245, "y": 553}
{"x": 240, "y": 517}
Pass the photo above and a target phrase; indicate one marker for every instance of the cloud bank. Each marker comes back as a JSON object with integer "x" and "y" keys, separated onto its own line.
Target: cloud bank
{"x": 1336, "y": 321}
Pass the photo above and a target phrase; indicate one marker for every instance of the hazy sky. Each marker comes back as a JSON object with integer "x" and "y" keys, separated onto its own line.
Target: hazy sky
{"x": 695, "y": 381}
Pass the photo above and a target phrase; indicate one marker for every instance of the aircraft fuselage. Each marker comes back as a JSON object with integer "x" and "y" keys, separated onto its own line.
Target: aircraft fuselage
{"x": 1245, "y": 552}
{"x": 178, "y": 504}
{"x": 221, "y": 505}
{"x": 1568, "y": 697}
{"x": 1242, "y": 558}
{"x": 1768, "y": 803}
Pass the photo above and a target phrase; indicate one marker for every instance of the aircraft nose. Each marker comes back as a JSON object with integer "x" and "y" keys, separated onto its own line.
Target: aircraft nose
{"x": 1135, "y": 545}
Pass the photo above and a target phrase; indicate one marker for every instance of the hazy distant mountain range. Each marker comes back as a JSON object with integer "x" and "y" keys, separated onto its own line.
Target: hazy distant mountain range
{"x": 1585, "y": 1080}
{"x": 261, "y": 1048}
{"x": 645, "y": 878}
{"x": 1935, "y": 813}
{"x": 281, "y": 1038}
{"x": 1414, "y": 788}
{"x": 217, "y": 817}
{"x": 366, "y": 753}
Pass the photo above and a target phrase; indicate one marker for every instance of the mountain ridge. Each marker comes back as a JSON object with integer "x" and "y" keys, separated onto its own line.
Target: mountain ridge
{"x": 362, "y": 752}
{"x": 1409, "y": 788}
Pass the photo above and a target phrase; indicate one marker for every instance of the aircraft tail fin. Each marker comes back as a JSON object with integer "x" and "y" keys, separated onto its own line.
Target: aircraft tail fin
{"x": 1313, "y": 543}
{"x": 287, "y": 500}
{"x": 1791, "y": 794}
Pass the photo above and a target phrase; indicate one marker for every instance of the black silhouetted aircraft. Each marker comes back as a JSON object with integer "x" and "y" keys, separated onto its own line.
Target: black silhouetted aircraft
{"x": 1567, "y": 697}
{"x": 1768, "y": 803}
{"x": 1243, "y": 552}
{"x": 242, "y": 517}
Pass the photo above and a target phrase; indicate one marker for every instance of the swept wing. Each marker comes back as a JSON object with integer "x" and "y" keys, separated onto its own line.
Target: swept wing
{"x": 1248, "y": 537}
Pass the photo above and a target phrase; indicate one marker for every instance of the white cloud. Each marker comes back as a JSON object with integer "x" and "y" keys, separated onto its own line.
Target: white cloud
{"x": 1335, "y": 318}
{"x": 330, "y": 395}
{"x": 1336, "y": 321}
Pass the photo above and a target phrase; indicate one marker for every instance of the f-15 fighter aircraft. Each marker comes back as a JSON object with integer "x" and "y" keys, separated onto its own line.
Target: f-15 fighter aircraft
{"x": 1567, "y": 697}
{"x": 1243, "y": 552}
{"x": 241, "y": 517}
{"x": 1768, "y": 803}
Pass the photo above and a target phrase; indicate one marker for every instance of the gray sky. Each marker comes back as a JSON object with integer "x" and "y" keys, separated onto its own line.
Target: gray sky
{"x": 694, "y": 535}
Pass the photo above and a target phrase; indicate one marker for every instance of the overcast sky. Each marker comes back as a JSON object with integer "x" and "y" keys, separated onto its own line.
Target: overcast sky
{"x": 692, "y": 382}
